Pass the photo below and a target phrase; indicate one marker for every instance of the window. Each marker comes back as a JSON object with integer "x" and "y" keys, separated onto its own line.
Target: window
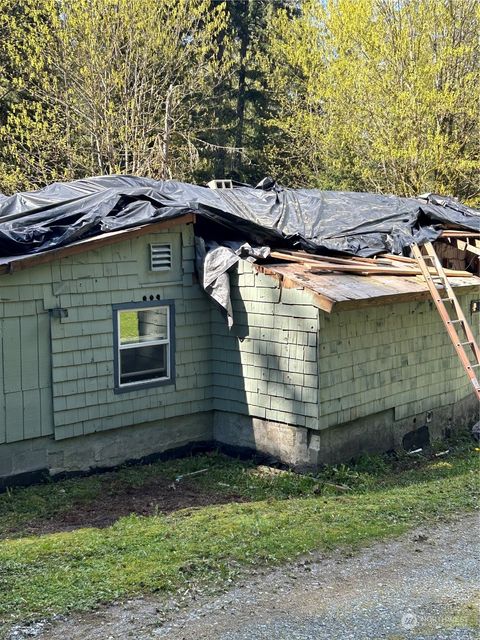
{"x": 143, "y": 344}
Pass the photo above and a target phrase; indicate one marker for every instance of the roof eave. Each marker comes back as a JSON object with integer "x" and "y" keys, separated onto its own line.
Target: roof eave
{"x": 329, "y": 305}
{"x": 11, "y": 264}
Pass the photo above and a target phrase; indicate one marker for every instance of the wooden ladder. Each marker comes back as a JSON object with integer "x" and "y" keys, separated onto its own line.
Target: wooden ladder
{"x": 455, "y": 321}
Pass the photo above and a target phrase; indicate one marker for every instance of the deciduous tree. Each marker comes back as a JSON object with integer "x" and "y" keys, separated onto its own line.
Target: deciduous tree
{"x": 377, "y": 95}
{"x": 110, "y": 86}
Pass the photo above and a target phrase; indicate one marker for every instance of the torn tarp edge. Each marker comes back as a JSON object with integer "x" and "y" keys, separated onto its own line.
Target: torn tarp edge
{"x": 213, "y": 261}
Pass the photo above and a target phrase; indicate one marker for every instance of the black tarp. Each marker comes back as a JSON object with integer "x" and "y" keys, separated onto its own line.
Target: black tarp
{"x": 355, "y": 223}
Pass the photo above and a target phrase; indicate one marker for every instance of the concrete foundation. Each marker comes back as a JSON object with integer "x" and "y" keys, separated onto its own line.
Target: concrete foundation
{"x": 300, "y": 447}
{"x": 306, "y": 448}
{"x": 286, "y": 442}
{"x": 25, "y": 462}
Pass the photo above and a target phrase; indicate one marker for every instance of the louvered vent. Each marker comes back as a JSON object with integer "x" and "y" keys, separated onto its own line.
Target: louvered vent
{"x": 160, "y": 257}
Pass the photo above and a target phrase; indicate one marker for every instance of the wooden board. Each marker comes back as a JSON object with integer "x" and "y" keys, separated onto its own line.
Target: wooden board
{"x": 349, "y": 291}
{"x": 459, "y": 234}
{"x": 465, "y": 246}
{"x": 351, "y": 265}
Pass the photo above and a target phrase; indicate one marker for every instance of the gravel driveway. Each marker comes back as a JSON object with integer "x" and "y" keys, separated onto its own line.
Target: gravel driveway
{"x": 421, "y": 586}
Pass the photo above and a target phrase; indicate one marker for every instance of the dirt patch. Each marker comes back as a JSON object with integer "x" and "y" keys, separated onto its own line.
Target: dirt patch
{"x": 156, "y": 496}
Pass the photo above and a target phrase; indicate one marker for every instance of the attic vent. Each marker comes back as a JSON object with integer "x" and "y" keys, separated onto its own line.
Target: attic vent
{"x": 160, "y": 257}
{"x": 220, "y": 184}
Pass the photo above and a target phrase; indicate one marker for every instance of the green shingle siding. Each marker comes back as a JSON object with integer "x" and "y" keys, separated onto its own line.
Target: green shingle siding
{"x": 77, "y": 362}
{"x": 25, "y": 411}
{"x": 283, "y": 361}
{"x": 399, "y": 358}
{"x": 262, "y": 367}
{"x": 14, "y": 416}
{"x": 67, "y": 380}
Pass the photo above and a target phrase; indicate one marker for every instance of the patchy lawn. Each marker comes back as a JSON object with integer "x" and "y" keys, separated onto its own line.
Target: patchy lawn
{"x": 99, "y": 501}
{"x": 237, "y": 514}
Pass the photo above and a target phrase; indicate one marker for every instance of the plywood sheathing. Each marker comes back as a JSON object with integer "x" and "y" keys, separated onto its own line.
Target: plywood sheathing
{"x": 348, "y": 291}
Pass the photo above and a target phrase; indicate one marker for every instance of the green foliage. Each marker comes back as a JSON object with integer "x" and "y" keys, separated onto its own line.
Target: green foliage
{"x": 41, "y": 576}
{"x": 377, "y": 95}
{"x": 343, "y": 94}
{"x": 109, "y": 87}
{"x": 243, "y": 104}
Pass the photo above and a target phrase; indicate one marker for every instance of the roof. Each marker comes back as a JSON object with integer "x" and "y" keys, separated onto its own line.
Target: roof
{"x": 330, "y": 291}
{"x": 363, "y": 224}
{"x": 11, "y": 264}
{"x": 333, "y": 292}
{"x": 45, "y": 225}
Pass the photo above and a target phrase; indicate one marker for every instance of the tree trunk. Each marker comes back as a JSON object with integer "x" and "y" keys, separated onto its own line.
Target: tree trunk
{"x": 242, "y": 73}
{"x": 166, "y": 134}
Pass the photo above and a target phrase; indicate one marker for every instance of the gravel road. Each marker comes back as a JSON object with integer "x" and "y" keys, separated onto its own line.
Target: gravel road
{"x": 423, "y": 586}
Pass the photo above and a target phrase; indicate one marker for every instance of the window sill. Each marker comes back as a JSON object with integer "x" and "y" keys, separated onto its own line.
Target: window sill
{"x": 147, "y": 385}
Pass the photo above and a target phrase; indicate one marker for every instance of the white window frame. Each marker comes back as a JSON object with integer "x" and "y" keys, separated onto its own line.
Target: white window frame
{"x": 121, "y": 387}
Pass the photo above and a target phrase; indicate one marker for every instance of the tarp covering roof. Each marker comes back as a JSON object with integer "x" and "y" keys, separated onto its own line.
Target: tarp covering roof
{"x": 357, "y": 223}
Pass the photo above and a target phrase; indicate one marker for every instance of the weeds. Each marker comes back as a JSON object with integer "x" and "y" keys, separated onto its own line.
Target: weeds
{"x": 286, "y": 515}
{"x": 19, "y": 507}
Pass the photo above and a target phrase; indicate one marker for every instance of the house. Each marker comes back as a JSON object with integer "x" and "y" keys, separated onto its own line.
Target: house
{"x": 321, "y": 368}
{"x": 106, "y": 352}
{"x": 112, "y": 352}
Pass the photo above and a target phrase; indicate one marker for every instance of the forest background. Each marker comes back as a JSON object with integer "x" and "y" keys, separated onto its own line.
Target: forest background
{"x": 377, "y": 95}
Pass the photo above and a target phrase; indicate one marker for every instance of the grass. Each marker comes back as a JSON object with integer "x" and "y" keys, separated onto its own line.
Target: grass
{"x": 464, "y": 617}
{"x": 22, "y": 506}
{"x": 287, "y": 515}
{"x": 454, "y": 617}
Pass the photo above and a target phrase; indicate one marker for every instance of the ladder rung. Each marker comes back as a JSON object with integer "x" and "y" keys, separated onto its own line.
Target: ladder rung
{"x": 439, "y": 280}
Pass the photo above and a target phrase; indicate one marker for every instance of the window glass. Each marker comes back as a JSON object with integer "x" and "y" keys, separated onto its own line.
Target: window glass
{"x": 143, "y": 363}
{"x": 145, "y": 325}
